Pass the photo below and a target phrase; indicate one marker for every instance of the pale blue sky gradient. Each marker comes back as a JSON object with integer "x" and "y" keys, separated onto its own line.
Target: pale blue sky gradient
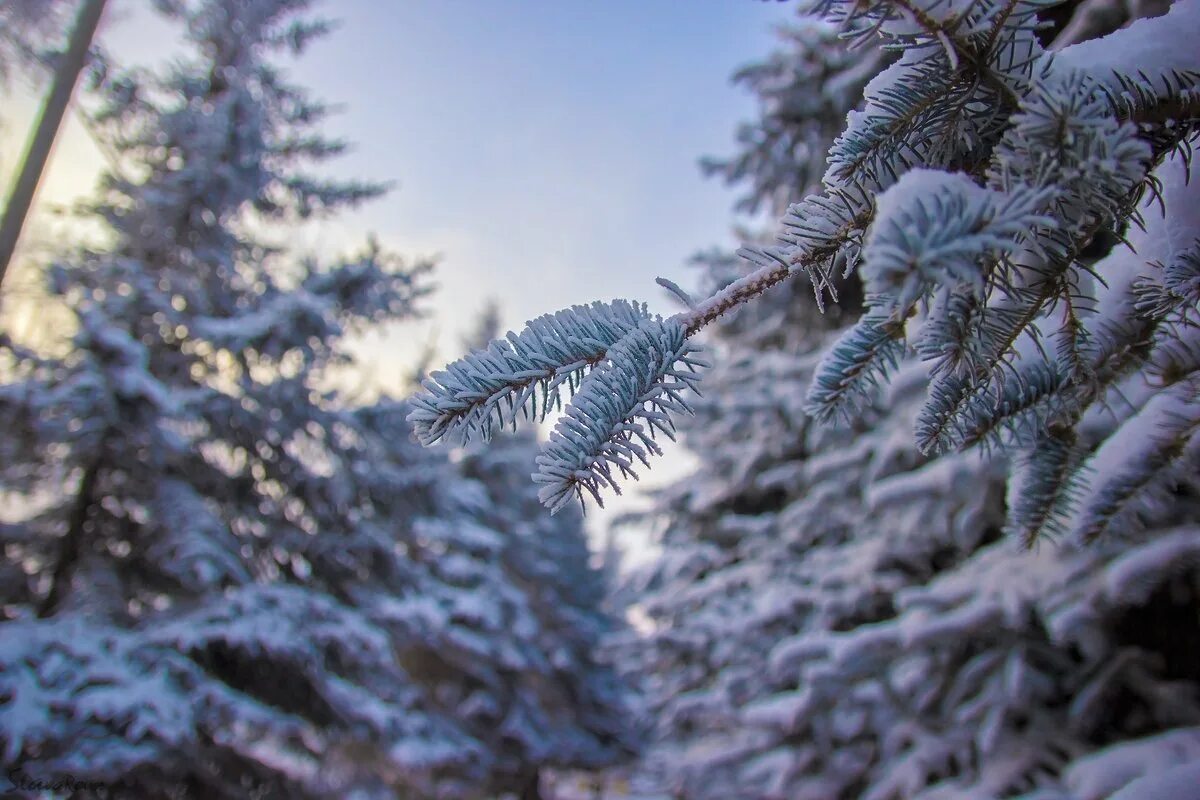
{"x": 547, "y": 150}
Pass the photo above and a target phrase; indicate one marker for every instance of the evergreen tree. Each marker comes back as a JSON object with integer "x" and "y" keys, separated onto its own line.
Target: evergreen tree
{"x": 231, "y": 584}
{"x": 503, "y": 614}
{"x": 842, "y": 609}
{"x": 844, "y": 618}
{"x": 838, "y": 615}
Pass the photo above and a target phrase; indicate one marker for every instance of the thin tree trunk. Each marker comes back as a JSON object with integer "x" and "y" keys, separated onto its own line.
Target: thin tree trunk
{"x": 66, "y": 74}
{"x": 73, "y": 540}
{"x": 532, "y": 788}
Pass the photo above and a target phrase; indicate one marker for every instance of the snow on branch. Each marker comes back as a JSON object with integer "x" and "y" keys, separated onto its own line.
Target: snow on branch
{"x": 772, "y": 268}
{"x": 854, "y": 367}
{"x": 1139, "y": 465}
{"x": 499, "y": 384}
{"x": 1065, "y": 135}
{"x": 1149, "y": 48}
{"x": 612, "y": 420}
{"x": 627, "y": 371}
{"x": 936, "y": 228}
{"x": 1043, "y": 485}
{"x": 1181, "y": 278}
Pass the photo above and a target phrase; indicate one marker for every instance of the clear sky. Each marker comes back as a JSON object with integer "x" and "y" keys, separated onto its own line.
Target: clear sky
{"x": 546, "y": 149}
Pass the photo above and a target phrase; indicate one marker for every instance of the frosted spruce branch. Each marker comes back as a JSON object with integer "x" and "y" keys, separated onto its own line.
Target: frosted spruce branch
{"x": 854, "y": 368}
{"x": 1043, "y": 486}
{"x": 626, "y": 370}
{"x": 495, "y": 386}
{"x": 970, "y": 193}
{"x": 611, "y": 422}
{"x": 1136, "y": 468}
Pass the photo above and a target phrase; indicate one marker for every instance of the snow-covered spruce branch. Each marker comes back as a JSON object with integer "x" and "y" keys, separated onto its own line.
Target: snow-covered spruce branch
{"x": 1139, "y": 465}
{"x": 937, "y": 229}
{"x": 501, "y": 383}
{"x": 856, "y": 365}
{"x": 1039, "y": 282}
{"x": 932, "y": 229}
{"x": 626, "y": 369}
{"x": 610, "y": 423}
{"x": 969, "y": 193}
{"x": 1180, "y": 286}
{"x": 999, "y": 413}
{"x": 1043, "y": 485}
{"x": 1178, "y": 99}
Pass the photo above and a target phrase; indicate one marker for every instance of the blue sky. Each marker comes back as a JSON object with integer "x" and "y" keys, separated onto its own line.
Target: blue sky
{"x": 547, "y": 150}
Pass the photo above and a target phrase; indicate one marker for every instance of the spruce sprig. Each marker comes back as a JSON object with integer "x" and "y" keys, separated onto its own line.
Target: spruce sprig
{"x": 494, "y": 387}
{"x": 611, "y": 422}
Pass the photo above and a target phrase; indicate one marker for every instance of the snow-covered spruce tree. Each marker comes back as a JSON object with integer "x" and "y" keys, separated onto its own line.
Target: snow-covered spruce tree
{"x": 500, "y": 612}
{"x": 565, "y": 709}
{"x": 838, "y": 612}
{"x": 835, "y": 615}
{"x": 898, "y": 646}
{"x": 505, "y": 615}
{"x": 231, "y": 584}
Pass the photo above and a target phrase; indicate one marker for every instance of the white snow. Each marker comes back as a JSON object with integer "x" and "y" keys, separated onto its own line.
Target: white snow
{"x": 1153, "y": 47}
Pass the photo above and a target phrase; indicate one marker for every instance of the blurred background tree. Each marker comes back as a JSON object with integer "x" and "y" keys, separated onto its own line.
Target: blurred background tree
{"x": 230, "y": 580}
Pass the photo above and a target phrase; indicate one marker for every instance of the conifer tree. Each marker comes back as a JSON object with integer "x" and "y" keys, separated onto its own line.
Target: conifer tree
{"x": 837, "y": 614}
{"x": 230, "y": 583}
{"x": 500, "y": 612}
{"x": 844, "y": 609}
